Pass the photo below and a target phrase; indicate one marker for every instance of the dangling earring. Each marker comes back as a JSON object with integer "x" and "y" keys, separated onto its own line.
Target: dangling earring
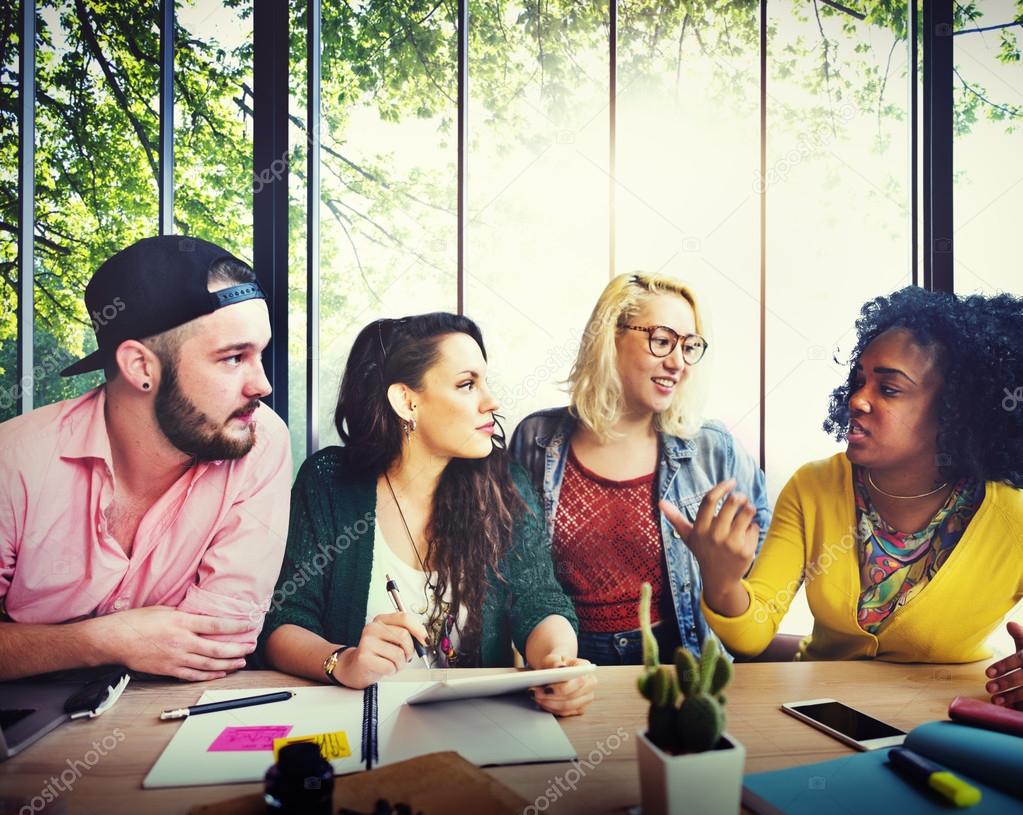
{"x": 409, "y": 426}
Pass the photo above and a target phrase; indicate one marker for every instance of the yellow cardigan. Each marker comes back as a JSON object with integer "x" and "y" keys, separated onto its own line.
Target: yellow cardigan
{"x": 812, "y": 534}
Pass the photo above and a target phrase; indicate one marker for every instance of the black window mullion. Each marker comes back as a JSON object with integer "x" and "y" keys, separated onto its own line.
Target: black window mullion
{"x": 270, "y": 27}
{"x": 937, "y": 145}
{"x": 313, "y": 76}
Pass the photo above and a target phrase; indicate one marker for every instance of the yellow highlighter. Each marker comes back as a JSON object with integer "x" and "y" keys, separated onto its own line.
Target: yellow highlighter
{"x": 927, "y": 774}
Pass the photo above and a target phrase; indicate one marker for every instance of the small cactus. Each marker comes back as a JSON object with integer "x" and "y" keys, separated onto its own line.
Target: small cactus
{"x": 686, "y": 706}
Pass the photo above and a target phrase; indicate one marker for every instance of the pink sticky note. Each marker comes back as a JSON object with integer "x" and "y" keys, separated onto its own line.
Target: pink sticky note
{"x": 249, "y": 738}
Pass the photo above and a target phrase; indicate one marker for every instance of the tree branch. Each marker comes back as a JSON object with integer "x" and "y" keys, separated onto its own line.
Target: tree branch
{"x": 827, "y": 67}
{"x": 422, "y": 60}
{"x": 1011, "y": 112}
{"x": 358, "y": 261}
{"x": 539, "y": 42}
{"x": 678, "y": 61}
{"x": 56, "y": 247}
{"x": 976, "y": 30}
{"x": 393, "y": 238}
{"x": 367, "y": 174}
{"x": 90, "y": 39}
{"x": 845, "y": 9}
{"x": 884, "y": 84}
{"x": 197, "y": 112}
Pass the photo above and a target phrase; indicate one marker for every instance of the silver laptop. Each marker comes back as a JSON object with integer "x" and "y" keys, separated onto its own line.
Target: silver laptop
{"x": 30, "y": 708}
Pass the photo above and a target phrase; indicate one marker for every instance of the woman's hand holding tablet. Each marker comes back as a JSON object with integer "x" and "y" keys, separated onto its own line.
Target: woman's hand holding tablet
{"x": 571, "y": 700}
{"x": 570, "y": 696}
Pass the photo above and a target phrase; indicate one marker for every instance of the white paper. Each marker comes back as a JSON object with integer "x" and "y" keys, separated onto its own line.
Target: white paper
{"x": 496, "y": 730}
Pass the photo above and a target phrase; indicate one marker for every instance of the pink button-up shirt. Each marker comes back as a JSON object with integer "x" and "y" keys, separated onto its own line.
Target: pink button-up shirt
{"x": 212, "y": 544}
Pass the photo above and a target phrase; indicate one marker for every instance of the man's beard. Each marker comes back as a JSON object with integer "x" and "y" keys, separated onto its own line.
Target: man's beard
{"x": 189, "y": 429}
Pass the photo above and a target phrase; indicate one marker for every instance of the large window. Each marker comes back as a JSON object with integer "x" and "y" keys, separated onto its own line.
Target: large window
{"x": 97, "y": 161}
{"x": 537, "y": 232}
{"x": 602, "y": 136}
{"x": 838, "y": 224}
{"x": 213, "y": 123}
{"x": 388, "y": 180}
{"x": 988, "y": 146}
{"x": 687, "y": 203}
{"x": 96, "y": 166}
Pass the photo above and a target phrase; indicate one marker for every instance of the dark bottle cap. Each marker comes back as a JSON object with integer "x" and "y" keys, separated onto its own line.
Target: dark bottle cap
{"x": 300, "y": 759}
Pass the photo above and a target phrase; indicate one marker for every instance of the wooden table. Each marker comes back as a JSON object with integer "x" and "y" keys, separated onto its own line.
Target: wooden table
{"x": 116, "y": 750}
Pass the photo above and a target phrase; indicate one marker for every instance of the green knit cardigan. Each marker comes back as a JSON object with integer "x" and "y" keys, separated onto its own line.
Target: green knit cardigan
{"x": 324, "y": 581}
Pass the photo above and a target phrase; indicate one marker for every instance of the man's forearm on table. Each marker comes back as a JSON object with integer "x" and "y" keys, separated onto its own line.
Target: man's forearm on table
{"x": 27, "y": 649}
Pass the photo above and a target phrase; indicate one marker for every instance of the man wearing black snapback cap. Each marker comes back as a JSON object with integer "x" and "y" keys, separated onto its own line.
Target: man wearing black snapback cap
{"x": 143, "y": 523}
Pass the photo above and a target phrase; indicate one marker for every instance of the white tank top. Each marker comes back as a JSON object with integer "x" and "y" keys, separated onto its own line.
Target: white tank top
{"x": 415, "y": 595}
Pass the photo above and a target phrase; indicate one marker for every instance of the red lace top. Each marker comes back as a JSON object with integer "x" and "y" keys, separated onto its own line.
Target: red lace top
{"x": 606, "y": 543}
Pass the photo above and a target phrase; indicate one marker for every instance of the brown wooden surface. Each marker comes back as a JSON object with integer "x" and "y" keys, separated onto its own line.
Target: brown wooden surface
{"x": 111, "y": 784}
{"x": 434, "y": 784}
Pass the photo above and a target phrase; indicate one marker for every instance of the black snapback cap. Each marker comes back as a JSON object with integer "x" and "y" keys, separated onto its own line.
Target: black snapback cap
{"x": 152, "y": 286}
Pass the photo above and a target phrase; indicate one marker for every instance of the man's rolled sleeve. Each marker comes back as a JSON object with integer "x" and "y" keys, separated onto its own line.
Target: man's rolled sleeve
{"x": 11, "y": 510}
{"x": 238, "y": 572}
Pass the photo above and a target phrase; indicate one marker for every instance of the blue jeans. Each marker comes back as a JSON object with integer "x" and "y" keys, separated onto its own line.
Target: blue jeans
{"x": 626, "y": 647}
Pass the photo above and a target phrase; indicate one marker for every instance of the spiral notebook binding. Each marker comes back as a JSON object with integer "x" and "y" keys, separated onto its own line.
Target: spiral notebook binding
{"x": 370, "y": 714}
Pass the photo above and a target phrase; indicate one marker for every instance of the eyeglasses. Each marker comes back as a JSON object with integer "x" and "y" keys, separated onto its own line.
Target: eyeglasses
{"x": 662, "y": 341}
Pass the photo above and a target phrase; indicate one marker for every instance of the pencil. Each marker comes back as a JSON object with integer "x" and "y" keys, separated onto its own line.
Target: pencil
{"x": 227, "y": 704}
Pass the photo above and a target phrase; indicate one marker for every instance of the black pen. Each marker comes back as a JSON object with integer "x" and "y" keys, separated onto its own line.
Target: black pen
{"x": 228, "y": 704}
{"x": 392, "y": 591}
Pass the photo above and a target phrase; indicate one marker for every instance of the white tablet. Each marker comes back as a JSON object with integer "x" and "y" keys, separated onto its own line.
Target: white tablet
{"x": 495, "y": 684}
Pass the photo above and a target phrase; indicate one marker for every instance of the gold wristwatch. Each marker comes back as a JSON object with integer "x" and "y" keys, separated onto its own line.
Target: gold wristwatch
{"x": 330, "y": 663}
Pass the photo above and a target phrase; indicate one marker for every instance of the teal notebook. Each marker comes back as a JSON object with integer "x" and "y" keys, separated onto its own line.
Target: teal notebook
{"x": 862, "y": 782}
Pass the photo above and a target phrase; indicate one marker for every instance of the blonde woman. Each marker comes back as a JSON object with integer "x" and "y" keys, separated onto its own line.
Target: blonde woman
{"x": 630, "y": 437}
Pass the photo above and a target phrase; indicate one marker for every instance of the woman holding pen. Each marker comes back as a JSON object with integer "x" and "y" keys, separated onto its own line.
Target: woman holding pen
{"x": 420, "y": 498}
{"x": 911, "y": 540}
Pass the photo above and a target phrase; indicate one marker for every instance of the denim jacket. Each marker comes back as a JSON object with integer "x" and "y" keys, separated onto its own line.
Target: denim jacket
{"x": 686, "y": 470}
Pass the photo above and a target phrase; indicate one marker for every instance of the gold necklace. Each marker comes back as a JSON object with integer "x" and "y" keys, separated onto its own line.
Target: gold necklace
{"x": 904, "y": 497}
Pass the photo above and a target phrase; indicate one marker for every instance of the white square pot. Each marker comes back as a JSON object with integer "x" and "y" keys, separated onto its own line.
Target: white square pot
{"x": 707, "y": 783}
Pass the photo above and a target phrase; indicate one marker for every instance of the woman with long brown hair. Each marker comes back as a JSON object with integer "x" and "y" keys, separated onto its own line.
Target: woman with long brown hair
{"x": 421, "y": 494}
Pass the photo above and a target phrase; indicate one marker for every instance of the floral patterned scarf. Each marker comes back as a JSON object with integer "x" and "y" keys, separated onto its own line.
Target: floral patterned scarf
{"x": 895, "y": 566}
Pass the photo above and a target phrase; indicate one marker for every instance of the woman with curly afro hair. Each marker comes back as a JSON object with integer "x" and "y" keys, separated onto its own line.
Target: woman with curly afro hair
{"x": 911, "y": 541}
